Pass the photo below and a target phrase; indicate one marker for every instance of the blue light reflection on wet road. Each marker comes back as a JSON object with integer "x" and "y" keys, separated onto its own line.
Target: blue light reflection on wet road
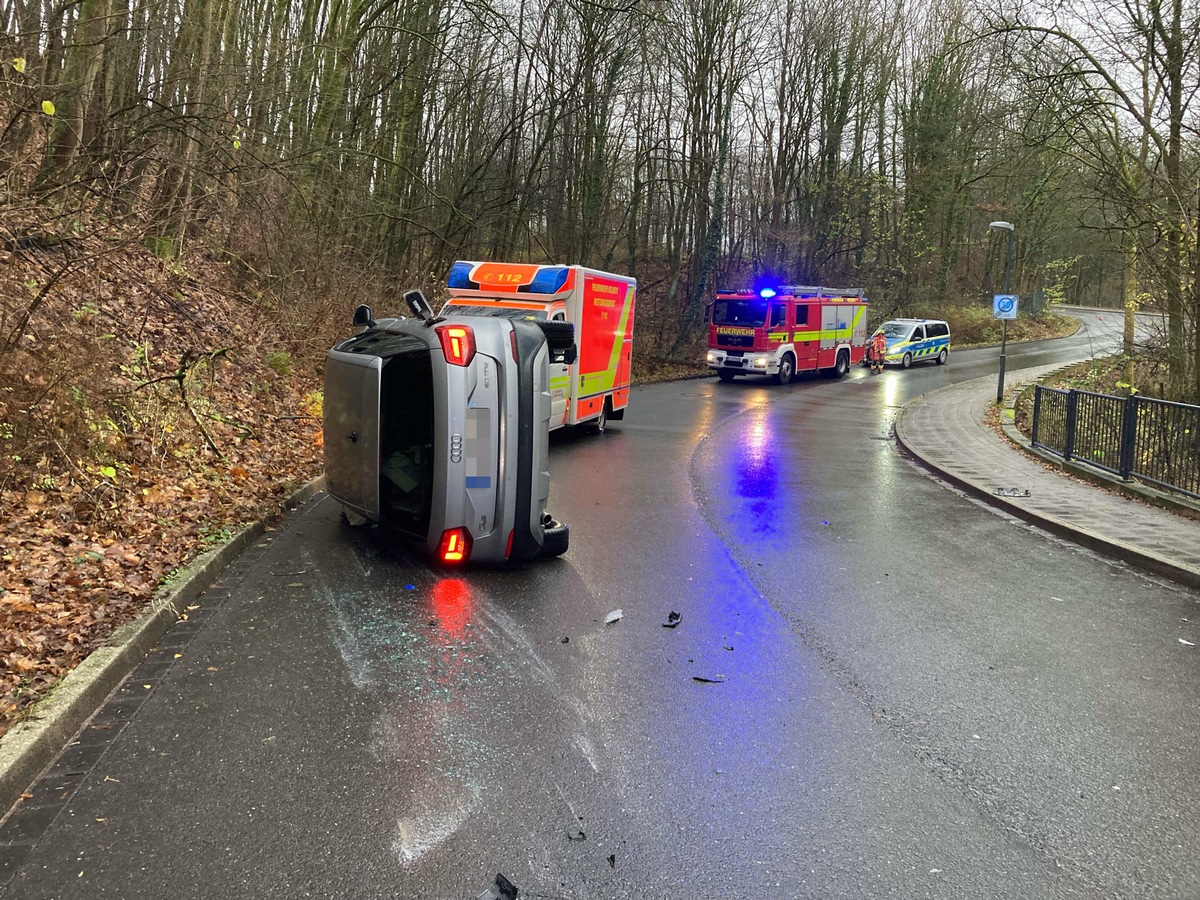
{"x": 750, "y": 464}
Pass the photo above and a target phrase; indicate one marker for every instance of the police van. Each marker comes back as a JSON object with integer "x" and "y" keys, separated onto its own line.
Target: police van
{"x": 916, "y": 340}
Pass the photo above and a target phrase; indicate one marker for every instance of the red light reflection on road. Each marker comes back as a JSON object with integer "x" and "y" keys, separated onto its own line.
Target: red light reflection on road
{"x": 452, "y": 604}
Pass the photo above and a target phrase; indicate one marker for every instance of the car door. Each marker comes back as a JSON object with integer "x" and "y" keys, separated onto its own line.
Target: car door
{"x": 916, "y": 342}
{"x": 805, "y": 336}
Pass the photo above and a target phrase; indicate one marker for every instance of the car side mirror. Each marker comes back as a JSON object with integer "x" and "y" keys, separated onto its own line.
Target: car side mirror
{"x": 362, "y": 317}
{"x": 566, "y": 355}
{"x": 420, "y": 306}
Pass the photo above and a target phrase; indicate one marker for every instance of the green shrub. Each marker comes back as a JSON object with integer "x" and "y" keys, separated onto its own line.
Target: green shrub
{"x": 280, "y": 361}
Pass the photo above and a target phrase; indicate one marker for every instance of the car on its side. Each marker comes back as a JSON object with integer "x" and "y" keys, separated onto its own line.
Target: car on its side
{"x": 916, "y": 340}
{"x": 438, "y": 429}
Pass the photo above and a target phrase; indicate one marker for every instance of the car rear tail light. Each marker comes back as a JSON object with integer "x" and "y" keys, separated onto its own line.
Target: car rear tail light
{"x": 458, "y": 343}
{"x": 455, "y": 546}
{"x": 508, "y": 546}
{"x": 512, "y": 339}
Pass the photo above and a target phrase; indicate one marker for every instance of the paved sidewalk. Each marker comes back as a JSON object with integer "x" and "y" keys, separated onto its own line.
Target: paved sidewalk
{"x": 946, "y": 430}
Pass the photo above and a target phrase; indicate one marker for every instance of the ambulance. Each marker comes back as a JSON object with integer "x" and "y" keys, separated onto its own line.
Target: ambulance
{"x": 593, "y": 387}
{"x": 779, "y": 331}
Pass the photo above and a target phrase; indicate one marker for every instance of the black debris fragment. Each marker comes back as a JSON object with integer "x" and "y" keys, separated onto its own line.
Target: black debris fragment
{"x": 500, "y": 889}
{"x": 716, "y": 679}
{"x": 612, "y": 860}
{"x": 672, "y": 619}
{"x": 565, "y": 640}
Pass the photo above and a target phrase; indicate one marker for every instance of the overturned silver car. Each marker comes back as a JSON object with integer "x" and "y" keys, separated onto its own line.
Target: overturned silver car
{"x": 438, "y": 429}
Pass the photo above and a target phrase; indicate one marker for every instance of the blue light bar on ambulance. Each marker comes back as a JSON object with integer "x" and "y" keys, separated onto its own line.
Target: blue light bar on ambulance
{"x": 546, "y": 279}
{"x": 549, "y": 280}
{"x": 460, "y": 276}
{"x": 767, "y": 293}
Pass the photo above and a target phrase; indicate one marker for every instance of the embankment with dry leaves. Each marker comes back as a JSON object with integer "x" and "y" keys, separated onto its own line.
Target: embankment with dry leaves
{"x": 147, "y": 410}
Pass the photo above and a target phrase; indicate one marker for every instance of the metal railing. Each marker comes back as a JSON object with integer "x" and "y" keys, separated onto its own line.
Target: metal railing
{"x": 1157, "y": 441}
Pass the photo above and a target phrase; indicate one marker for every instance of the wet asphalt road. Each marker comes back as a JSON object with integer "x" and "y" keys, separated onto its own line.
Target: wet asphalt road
{"x": 909, "y": 694}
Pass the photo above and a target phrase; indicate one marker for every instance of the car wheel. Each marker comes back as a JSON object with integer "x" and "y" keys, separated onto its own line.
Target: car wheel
{"x": 559, "y": 335}
{"x": 907, "y": 361}
{"x": 555, "y": 540}
{"x": 787, "y": 366}
{"x": 599, "y": 424}
{"x": 726, "y": 375}
{"x": 941, "y": 357}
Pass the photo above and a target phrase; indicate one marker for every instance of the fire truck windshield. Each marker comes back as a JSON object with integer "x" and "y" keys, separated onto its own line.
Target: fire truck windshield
{"x": 747, "y": 313}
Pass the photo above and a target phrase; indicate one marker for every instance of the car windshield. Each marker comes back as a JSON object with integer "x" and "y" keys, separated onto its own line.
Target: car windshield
{"x": 504, "y": 312}
{"x": 748, "y": 313}
{"x": 895, "y": 329}
{"x": 406, "y": 441}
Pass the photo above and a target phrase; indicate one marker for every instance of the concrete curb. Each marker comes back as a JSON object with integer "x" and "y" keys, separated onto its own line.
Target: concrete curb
{"x": 33, "y": 743}
{"x": 1145, "y": 560}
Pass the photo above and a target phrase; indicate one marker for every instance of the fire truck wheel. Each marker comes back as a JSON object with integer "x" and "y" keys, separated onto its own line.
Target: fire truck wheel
{"x": 554, "y": 542}
{"x": 726, "y": 375}
{"x": 941, "y": 357}
{"x": 787, "y": 366}
{"x": 842, "y": 366}
{"x": 599, "y": 424}
{"x": 907, "y": 361}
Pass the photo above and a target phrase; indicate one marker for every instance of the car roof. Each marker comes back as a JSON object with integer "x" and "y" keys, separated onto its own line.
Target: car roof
{"x": 914, "y": 321}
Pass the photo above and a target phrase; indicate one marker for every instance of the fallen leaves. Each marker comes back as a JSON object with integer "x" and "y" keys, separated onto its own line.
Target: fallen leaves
{"x": 107, "y": 485}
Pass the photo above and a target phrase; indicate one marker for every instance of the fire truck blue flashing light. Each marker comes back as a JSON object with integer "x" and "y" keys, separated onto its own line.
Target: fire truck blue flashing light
{"x": 766, "y": 293}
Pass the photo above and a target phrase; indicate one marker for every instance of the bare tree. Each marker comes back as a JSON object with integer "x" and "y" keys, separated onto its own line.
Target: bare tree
{"x": 1135, "y": 66}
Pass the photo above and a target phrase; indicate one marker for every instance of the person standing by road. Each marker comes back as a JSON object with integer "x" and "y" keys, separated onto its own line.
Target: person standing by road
{"x": 876, "y": 351}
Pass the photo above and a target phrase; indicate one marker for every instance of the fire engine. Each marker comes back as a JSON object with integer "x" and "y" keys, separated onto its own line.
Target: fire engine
{"x": 593, "y": 387}
{"x": 779, "y": 331}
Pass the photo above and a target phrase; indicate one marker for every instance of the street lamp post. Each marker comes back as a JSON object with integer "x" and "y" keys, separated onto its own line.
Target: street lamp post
{"x": 1004, "y": 226}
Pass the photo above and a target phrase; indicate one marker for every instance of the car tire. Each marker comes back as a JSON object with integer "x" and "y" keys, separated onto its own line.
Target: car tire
{"x": 559, "y": 335}
{"x": 787, "y": 368}
{"x": 907, "y": 361}
{"x": 943, "y": 356}
{"x": 725, "y": 375}
{"x": 556, "y": 540}
{"x": 600, "y": 423}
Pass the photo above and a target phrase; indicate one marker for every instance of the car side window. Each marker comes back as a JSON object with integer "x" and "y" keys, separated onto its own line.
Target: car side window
{"x": 918, "y": 333}
{"x": 778, "y": 315}
{"x": 939, "y": 330}
{"x": 801, "y": 314}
